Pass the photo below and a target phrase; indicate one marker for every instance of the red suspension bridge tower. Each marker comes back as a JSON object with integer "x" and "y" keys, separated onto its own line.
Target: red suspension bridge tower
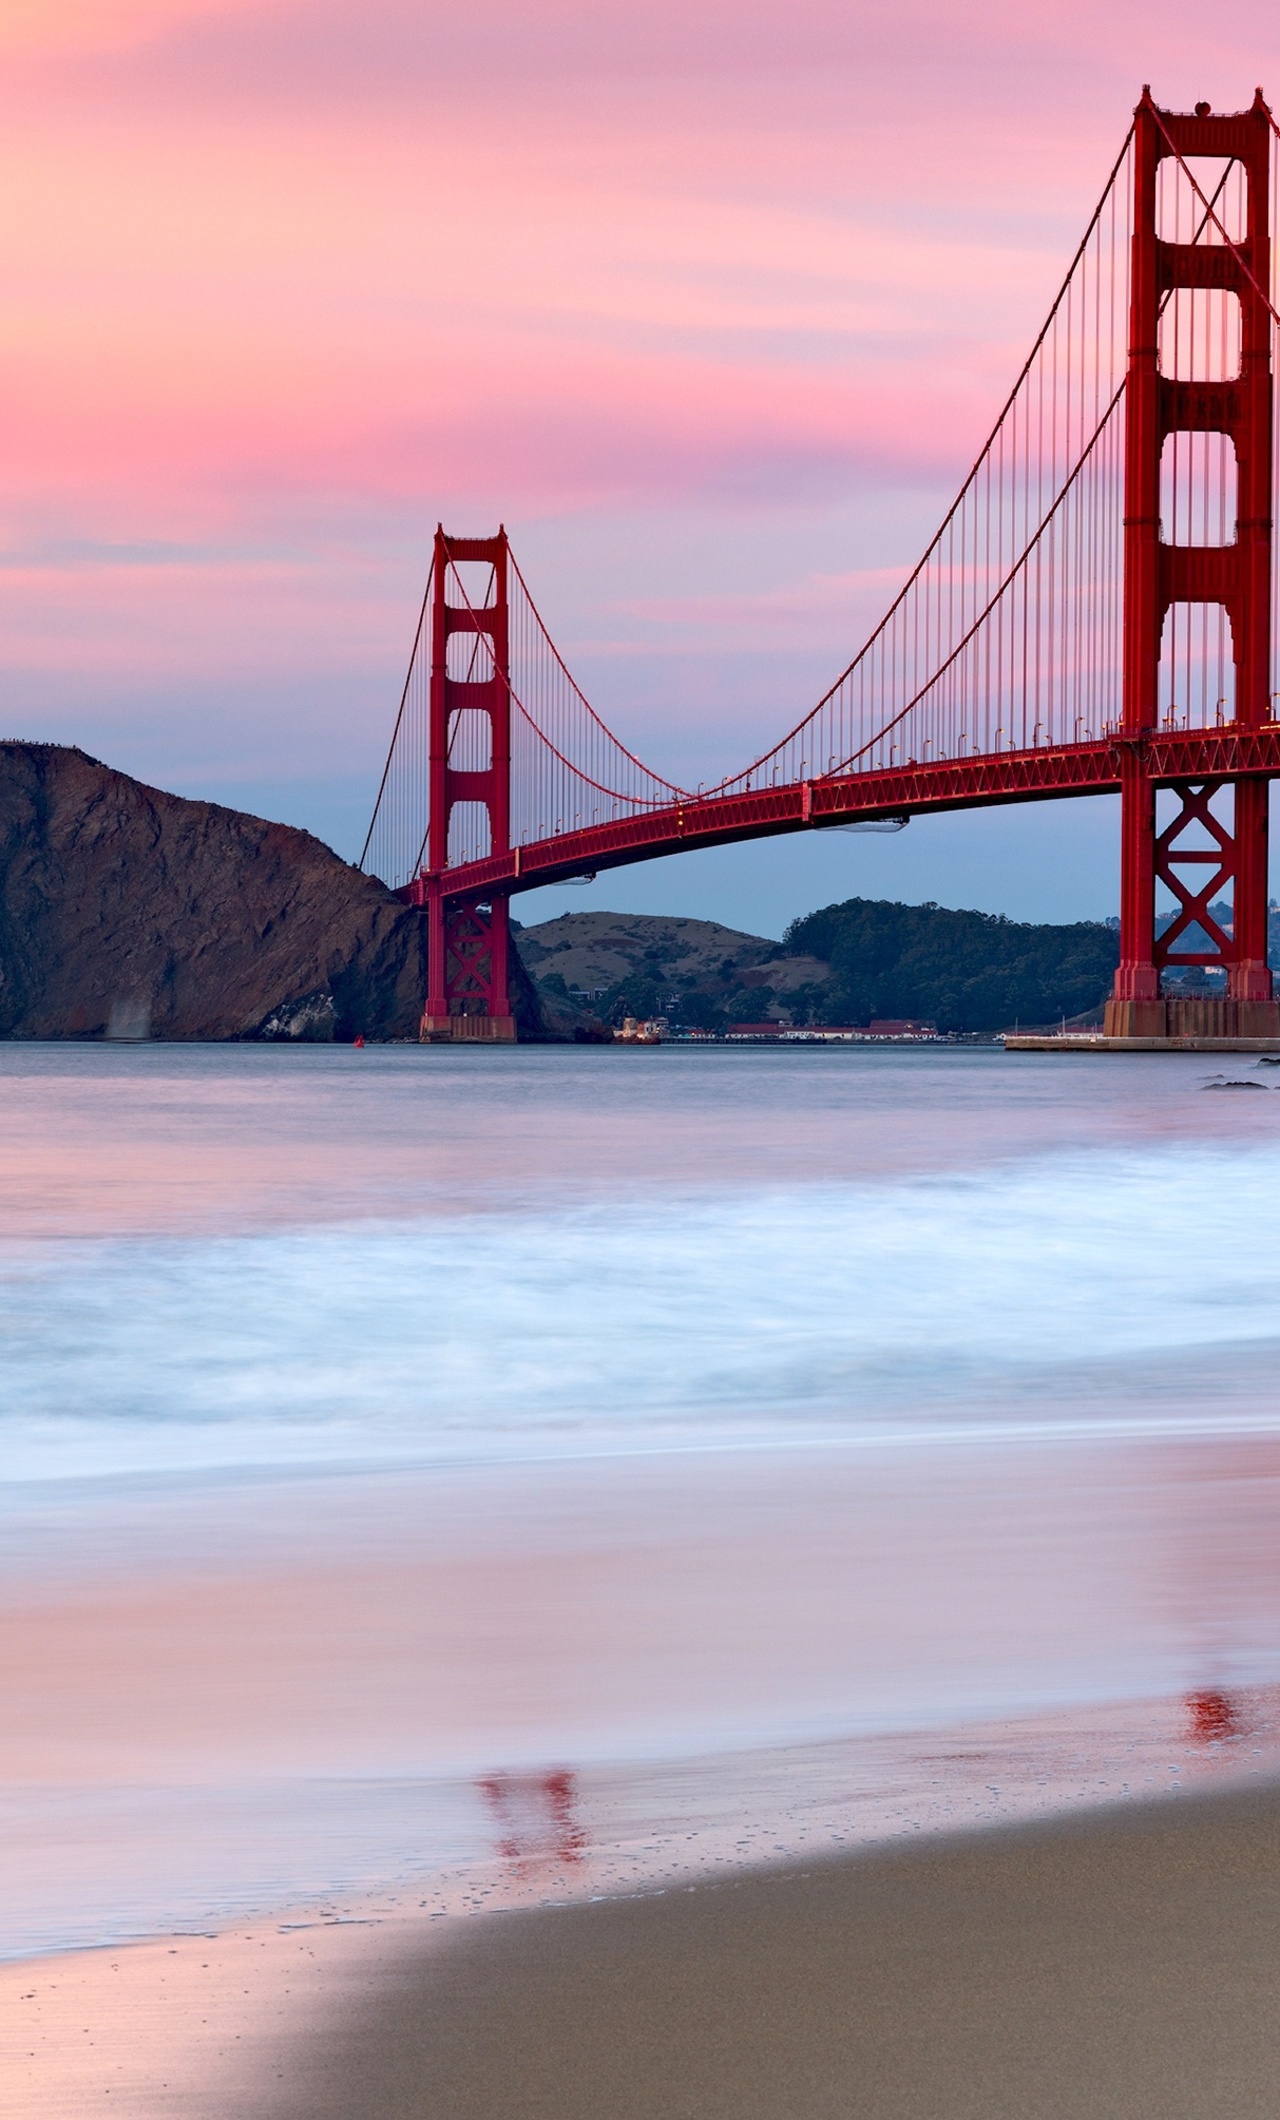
{"x": 1095, "y": 615}
{"x": 1196, "y": 308}
{"x": 469, "y": 745}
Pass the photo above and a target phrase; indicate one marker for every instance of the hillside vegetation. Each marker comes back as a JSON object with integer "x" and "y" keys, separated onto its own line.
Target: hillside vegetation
{"x": 857, "y": 962}
{"x": 962, "y": 971}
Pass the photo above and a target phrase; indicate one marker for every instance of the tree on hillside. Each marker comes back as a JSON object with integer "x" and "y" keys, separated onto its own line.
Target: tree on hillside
{"x": 963, "y": 971}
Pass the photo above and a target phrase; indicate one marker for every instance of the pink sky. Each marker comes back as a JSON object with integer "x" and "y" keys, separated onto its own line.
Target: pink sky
{"x": 711, "y": 303}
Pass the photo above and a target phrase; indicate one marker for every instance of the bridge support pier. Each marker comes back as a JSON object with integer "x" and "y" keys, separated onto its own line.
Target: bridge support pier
{"x": 467, "y": 996}
{"x": 1184, "y": 399}
{"x": 1199, "y": 858}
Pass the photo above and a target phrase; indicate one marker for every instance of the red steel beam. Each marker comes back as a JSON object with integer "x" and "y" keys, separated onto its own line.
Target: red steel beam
{"x": 912, "y": 790}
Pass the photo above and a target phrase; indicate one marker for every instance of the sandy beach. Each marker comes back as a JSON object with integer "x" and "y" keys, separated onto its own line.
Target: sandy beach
{"x": 667, "y": 1691}
{"x": 1122, "y": 1964}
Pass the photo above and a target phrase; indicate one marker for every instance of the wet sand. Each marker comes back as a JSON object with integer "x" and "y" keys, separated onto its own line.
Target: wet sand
{"x": 1117, "y": 1966}
{"x": 230, "y": 1702}
{"x": 1122, "y": 1966}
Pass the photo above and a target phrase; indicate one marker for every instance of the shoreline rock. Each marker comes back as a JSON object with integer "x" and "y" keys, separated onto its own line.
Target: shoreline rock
{"x": 128, "y": 913}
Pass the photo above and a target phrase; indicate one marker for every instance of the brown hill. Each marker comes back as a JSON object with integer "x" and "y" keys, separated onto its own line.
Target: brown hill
{"x": 589, "y": 963}
{"x": 597, "y": 950}
{"x": 128, "y": 912}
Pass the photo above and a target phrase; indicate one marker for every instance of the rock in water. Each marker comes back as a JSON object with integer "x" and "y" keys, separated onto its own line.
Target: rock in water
{"x": 128, "y": 913}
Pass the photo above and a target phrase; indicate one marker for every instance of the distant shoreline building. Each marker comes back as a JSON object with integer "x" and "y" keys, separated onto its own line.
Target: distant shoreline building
{"x": 893, "y": 1030}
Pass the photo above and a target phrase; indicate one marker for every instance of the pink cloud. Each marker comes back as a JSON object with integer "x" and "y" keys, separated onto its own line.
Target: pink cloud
{"x": 285, "y": 281}
{"x": 929, "y": 53}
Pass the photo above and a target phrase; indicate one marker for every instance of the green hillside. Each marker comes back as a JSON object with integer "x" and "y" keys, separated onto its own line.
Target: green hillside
{"x": 962, "y": 971}
{"x": 852, "y": 963}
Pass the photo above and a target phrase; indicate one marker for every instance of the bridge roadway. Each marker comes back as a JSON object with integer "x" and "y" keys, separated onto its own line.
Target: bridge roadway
{"x": 914, "y": 789}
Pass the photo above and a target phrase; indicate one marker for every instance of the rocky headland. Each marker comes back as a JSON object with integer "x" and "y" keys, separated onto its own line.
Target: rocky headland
{"x": 127, "y": 912}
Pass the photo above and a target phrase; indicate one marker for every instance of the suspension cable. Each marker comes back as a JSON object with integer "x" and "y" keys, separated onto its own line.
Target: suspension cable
{"x": 990, "y": 606}
{"x": 961, "y": 497}
{"x": 382, "y": 784}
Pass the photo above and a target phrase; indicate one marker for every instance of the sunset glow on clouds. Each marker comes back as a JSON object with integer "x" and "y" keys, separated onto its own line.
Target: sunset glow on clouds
{"x": 711, "y": 304}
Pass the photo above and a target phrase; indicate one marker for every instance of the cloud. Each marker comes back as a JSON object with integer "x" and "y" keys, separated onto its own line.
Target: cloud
{"x": 934, "y": 54}
{"x": 288, "y": 279}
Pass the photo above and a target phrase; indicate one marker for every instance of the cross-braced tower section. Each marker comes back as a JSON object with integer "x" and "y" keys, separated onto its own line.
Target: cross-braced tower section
{"x": 1197, "y": 584}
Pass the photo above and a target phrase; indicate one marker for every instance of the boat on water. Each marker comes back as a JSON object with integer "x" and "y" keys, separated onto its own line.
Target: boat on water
{"x": 642, "y": 1030}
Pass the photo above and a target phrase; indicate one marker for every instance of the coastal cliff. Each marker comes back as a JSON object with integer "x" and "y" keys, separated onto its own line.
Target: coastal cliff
{"x": 131, "y": 913}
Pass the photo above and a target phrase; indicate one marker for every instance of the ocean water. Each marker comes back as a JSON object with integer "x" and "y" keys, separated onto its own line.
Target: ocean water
{"x": 383, "y": 1429}
{"x": 217, "y": 1258}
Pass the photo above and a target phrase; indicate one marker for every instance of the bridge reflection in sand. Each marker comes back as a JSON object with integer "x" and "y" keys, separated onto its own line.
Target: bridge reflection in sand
{"x": 1214, "y": 1717}
{"x": 535, "y": 1817}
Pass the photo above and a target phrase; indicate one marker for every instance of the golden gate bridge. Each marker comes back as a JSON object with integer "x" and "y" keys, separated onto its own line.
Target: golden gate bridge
{"x": 1095, "y": 615}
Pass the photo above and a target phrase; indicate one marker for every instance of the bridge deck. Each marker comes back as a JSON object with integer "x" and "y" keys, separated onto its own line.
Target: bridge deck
{"x": 914, "y": 789}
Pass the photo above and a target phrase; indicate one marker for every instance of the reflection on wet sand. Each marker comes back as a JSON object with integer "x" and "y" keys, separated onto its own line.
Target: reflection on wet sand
{"x": 536, "y": 1821}
{"x": 571, "y": 1669}
{"x": 1214, "y": 1717}
{"x": 600, "y": 1832}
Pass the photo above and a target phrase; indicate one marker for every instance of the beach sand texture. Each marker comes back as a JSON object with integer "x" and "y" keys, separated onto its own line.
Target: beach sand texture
{"x": 1120, "y": 1966}
{"x": 1121, "y": 1963}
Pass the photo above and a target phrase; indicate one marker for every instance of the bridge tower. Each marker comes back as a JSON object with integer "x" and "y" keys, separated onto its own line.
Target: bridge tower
{"x": 1159, "y": 573}
{"x": 469, "y": 762}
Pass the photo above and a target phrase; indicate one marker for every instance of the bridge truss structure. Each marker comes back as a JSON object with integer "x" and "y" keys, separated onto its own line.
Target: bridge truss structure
{"x": 1096, "y": 614}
